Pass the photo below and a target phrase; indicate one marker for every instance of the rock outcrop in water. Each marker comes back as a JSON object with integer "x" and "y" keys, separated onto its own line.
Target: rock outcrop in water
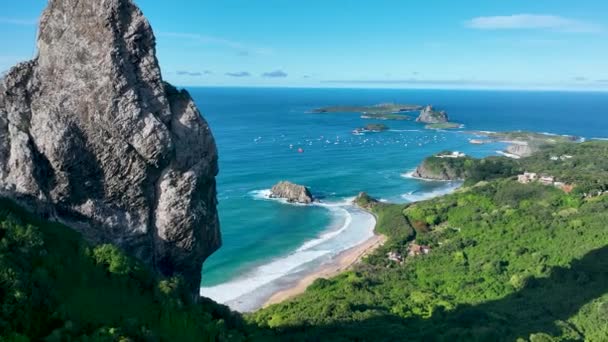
{"x": 430, "y": 116}
{"x": 91, "y": 136}
{"x": 293, "y": 193}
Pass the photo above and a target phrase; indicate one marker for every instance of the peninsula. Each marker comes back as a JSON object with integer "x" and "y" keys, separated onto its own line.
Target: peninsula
{"x": 522, "y": 143}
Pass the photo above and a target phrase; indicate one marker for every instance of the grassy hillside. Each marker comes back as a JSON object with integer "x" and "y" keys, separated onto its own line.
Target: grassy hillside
{"x": 508, "y": 261}
{"x": 54, "y": 286}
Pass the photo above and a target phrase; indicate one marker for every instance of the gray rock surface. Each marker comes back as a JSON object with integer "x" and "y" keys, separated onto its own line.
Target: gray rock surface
{"x": 430, "y": 116}
{"x": 444, "y": 174}
{"x": 293, "y": 193}
{"x": 91, "y": 136}
{"x": 521, "y": 149}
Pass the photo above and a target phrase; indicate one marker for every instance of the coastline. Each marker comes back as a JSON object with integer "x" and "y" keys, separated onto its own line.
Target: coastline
{"x": 342, "y": 262}
{"x": 334, "y": 251}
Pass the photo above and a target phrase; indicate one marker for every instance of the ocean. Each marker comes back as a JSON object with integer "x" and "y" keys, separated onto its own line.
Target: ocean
{"x": 269, "y": 244}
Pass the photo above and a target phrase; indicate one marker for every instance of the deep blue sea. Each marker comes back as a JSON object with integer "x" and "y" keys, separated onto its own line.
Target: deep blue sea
{"x": 267, "y": 244}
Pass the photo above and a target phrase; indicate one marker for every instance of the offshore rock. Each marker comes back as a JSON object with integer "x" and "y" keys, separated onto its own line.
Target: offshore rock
{"x": 293, "y": 193}
{"x": 430, "y": 116}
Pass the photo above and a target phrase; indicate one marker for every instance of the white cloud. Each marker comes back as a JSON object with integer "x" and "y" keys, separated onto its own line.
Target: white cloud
{"x": 532, "y": 21}
{"x": 211, "y": 40}
{"x": 15, "y": 21}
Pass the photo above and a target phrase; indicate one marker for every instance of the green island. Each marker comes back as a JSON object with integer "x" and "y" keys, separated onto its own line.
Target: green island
{"x": 382, "y": 111}
{"x": 443, "y": 125}
{"x": 382, "y": 108}
{"x": 373, "y": 127}
{"x": 497, "y": 260}
{"x": 386, "y": 116}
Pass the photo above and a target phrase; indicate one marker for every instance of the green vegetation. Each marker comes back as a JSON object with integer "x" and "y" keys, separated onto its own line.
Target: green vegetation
{"x": 436, "y": 167}
{"x": 509, "y": 262}
{"x": 467, "y": 168}
{"x": 55, "y": 287}
{"x": 392, "y": 116}
{"x": 530, "y": 137}
{"x": 443, "y": 125}
{"x": 383, "y": 108}
{"x": 587, "y": 168}
{"x": 383, "y": 111}
{"x": 374, "y": 127}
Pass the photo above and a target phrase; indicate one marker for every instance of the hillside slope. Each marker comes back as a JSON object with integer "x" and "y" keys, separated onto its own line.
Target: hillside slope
{"x": 55, "y": 286}
{"x": 506, "y": 261}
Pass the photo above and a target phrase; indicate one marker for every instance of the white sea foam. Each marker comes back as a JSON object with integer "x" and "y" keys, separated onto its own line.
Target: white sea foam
{"x": 410, "y": 175}
{"x": 350, "y": 227}
{"x": 260, "y": 276}
{"x": 509, "y": 155}
{"x": 264, "y": 195}
{"x": 414, "y": 196}
{"x": 329, "y": 235}
{"x": 261, "y": 194}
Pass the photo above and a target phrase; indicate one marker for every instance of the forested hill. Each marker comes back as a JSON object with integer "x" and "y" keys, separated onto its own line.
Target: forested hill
{"x": 498, "y": 260}
{"x": 507, "y": 261}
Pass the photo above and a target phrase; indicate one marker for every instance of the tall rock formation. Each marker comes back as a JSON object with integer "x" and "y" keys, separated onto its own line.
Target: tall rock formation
{"x": 430, "y": 116}
{"x": 293, "y": 193}
{"x": 91, "y": 136}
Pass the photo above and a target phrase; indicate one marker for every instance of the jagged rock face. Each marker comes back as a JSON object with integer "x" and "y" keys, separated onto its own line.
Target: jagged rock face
{"x": 90, "y": 135}
{"x": 293, "y": 193}
{"x": 430, "y": 116}
{"x": 444, "y": 174}
{"x": 520, "y": 149}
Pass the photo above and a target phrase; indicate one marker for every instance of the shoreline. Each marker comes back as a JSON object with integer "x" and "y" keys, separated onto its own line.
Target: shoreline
{"x": 341, "y": 263}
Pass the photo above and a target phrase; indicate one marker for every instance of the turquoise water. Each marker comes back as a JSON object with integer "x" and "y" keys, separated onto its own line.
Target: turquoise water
{"x": 267, "y": 244}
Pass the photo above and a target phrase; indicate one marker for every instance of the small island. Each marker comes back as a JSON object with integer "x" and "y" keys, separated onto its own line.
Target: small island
{"x": 444, "y": 125}
{"x": 373, "y": 128}
{"x": 382, "y": 108}
{"x": 436, "y": 119}
{"x": 291, "y": 192}
{"x": 433, "y": 119}
{"x": 429, "y": 115}
{"x": 382, "y": 111}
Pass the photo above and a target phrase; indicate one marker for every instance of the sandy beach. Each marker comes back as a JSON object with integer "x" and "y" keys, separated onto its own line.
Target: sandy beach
{"x": 341, "y": 263}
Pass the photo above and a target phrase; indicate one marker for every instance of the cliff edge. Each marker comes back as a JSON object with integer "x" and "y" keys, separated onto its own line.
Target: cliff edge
{"x": 91, "y": 136}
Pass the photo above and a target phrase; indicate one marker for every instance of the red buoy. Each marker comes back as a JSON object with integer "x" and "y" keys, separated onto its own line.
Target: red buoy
{"x": 300, "y": 150}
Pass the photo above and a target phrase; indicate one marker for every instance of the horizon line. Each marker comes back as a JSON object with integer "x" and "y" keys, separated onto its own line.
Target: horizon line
{"x": 362, "y": 87}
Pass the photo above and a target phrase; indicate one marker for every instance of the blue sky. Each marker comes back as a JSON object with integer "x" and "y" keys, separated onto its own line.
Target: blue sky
{"x": 521, "y": 44}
